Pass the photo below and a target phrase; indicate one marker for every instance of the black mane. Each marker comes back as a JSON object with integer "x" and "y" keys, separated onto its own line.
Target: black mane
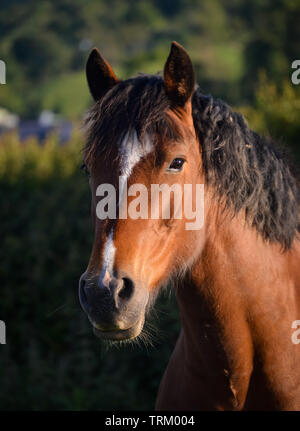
{"x": 243, "y": 167}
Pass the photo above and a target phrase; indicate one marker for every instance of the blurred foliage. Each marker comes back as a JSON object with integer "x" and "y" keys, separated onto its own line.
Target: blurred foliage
{"x": 51, "y": 359}
{"x": 45, "y": 45}
{"x": 59, "y": 95}
{"x": 276, "y": 112}
{"x": 242, "y": 51}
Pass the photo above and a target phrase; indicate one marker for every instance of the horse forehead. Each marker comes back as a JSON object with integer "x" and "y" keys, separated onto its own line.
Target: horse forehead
{"x": 131, "y": 151}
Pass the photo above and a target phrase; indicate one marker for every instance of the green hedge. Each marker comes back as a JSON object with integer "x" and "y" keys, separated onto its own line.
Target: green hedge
{"x": 51, "y": 359}
{"x": 276, "y": 112}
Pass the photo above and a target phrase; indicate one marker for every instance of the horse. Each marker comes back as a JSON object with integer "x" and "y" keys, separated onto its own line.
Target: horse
{"x": 236, "y": 279}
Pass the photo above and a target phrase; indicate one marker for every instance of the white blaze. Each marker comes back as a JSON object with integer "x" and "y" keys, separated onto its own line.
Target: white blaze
{"x": 108, "y": 260}
{"x": 131, "y": 152}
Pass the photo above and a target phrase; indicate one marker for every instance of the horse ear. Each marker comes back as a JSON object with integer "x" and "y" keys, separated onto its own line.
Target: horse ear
{"x": 100, "y": 75}
{"x": 179, "y": 76}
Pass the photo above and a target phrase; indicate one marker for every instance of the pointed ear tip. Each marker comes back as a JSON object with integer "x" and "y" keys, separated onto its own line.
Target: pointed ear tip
{"x": 95, "y": 49}
{"x": 177, "y": 49}
{"x": 95, "y": 53}
{"x": 176, "y": 45}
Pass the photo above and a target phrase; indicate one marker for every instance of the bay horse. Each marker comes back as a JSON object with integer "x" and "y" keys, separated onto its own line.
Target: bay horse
{"x": 237, "y": 279}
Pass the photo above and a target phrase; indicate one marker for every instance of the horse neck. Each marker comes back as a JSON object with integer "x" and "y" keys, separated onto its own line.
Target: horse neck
{"x": 237, "y": 302}
{"x": 239, "y": 273}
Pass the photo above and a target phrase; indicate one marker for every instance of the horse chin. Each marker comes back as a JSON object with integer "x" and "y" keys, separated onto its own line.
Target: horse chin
{"x": 122, "y": 334}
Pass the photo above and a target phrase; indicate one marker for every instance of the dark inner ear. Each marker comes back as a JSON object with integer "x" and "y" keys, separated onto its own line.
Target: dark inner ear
{"x": 179, "y": 76}
{"x": 100, "y": 75}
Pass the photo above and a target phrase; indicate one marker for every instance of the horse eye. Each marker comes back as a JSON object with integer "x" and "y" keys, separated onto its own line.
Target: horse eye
{"x": 85, "y": 169}
{"x": 176, "y": 165}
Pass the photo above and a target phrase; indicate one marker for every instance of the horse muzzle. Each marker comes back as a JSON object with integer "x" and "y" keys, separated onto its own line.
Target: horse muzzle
{"x": 114, "y": 306}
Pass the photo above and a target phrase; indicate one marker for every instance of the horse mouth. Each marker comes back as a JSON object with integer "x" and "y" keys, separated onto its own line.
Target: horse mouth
{"x": 120, "y": 334}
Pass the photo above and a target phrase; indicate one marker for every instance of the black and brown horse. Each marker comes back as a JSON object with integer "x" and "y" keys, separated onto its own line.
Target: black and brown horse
{"x": 237, "y": 279}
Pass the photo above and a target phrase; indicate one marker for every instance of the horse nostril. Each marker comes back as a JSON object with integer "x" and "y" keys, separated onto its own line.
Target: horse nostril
{"x": 127, "y": 289}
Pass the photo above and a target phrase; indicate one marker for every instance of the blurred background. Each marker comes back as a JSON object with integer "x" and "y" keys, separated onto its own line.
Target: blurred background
{"x": 242, "y": 51}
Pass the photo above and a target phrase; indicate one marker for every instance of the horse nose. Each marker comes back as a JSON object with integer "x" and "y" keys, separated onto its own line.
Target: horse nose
{"x": 107, "y": 295}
